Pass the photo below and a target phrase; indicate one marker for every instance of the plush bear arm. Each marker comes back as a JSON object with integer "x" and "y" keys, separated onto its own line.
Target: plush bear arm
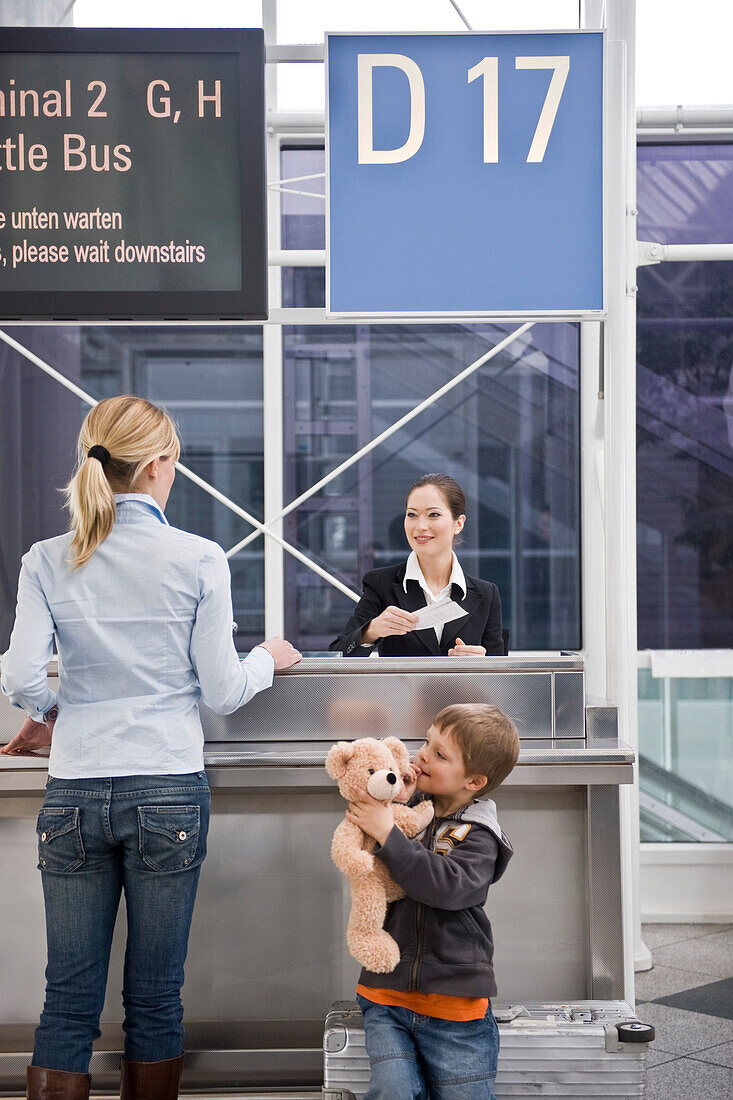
{"x": 347, "y": 850}
{"x": 412, "y": 820}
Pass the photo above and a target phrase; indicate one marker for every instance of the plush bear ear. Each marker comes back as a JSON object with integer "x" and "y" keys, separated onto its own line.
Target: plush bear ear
{"x": 399, "y": 752}
{"x": 338, "y": 757}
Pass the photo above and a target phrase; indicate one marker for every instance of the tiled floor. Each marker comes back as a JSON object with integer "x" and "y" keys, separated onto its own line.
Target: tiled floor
{"x": 688, "y": 996}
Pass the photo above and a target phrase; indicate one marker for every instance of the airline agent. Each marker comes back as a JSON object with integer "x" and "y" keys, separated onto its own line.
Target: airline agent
{"x": 385, "y": 619}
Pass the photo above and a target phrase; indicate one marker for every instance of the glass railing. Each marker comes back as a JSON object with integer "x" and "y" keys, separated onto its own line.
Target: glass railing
{"x": 686, "y": 758}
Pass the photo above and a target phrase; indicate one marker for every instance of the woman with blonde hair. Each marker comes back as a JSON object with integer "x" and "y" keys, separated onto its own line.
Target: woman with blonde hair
{"x": 142, "y": 617}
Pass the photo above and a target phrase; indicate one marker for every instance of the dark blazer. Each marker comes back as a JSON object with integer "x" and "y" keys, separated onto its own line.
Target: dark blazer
{"x": 384, "y": 587}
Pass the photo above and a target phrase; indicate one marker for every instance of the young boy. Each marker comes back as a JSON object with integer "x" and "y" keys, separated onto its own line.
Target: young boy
{"x": 429, "y": 1026}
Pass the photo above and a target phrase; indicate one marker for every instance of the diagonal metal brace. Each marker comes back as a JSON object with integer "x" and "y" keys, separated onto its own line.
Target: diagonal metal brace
{"x": 230, "y": 504}
{"x": 458, "y": 378}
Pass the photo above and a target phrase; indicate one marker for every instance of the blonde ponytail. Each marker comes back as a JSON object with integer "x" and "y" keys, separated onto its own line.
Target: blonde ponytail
{"x": 91, "y": 502}
{"x": 134, "y": 432}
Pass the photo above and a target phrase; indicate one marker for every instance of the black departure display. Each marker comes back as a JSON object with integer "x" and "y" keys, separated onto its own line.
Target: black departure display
{"x": 132, "y": 181}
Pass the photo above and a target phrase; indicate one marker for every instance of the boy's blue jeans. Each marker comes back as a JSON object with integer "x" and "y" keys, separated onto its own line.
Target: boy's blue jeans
{"x": 414, "y": 1057}
{"x": 143, "y": 834}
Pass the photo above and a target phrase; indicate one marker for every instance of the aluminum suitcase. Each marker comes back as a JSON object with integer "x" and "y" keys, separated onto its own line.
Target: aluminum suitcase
{"x": 584, "y": 1050}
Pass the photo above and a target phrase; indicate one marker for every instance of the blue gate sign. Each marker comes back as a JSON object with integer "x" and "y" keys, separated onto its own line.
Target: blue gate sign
{"x": 465, "y": 174}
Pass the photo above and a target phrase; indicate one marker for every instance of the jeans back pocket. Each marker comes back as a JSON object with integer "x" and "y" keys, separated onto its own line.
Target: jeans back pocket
{"x": 60, "y": 846}
{"x": 169, "y": 836}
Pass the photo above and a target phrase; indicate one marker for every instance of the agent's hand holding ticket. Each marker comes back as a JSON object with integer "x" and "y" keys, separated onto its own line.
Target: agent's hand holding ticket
{"x": 438, "y": 614}
{"x": 442, "y": 612}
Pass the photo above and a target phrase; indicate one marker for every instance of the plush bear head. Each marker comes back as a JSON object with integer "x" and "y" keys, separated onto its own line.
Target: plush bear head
{"x": 369, "y": 765}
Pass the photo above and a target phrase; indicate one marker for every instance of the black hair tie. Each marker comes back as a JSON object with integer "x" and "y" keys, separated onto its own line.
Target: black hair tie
{"x": 97, "y": 451}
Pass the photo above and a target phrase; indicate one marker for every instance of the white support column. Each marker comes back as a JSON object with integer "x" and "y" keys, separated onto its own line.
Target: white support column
{"x": 272, "y": 362}
{"x": 592, "y": 469}
{"x": 621, "y": 605}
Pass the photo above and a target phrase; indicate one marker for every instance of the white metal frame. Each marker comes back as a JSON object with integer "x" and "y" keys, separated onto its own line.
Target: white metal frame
{"x": 609, "y": 441}
{"x": 272, "y": 370}
{"x": 651, "y": 252}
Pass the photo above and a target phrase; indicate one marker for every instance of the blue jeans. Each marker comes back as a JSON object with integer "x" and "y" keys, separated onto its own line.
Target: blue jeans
{"x": 414, "y": 1057}
{"x": 146, "y": 835}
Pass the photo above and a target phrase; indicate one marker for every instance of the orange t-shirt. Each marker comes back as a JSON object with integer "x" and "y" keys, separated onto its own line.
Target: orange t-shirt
{"x": 438, "y": 1005}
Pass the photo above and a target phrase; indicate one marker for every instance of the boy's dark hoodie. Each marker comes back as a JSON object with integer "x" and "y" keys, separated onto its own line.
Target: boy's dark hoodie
{"x": 444, "y": 935}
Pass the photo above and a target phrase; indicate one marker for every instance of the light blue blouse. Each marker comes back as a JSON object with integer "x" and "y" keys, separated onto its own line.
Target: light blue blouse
{"x": 143, "y": 632}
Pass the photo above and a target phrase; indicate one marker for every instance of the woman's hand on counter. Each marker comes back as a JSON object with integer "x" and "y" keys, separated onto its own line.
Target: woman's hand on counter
{"x": 31, "y": 737}
{"x": 283, "y": 653}
{"x": 460, "y": 649}
{"x": 393, "y": 620}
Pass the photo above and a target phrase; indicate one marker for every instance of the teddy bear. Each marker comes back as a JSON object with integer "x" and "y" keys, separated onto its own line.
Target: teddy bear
{"x": 378, "y": 767}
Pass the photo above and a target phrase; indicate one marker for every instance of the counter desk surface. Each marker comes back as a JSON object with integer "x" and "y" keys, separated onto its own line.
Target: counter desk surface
{"x": 564, "y": 737}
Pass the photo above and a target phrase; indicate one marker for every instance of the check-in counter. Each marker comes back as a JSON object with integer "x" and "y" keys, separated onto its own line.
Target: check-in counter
{"x": 267, "y": 952}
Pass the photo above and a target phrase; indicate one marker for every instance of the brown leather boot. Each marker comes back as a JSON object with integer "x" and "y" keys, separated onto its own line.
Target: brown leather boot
{"x": 56, "y": 1084}
{"x": 151, "y": 1080}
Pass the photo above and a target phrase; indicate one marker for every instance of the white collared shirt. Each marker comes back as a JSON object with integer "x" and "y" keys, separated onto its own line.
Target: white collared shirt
{"x": 413, "y": 572}
{"x": 143, "y": 631}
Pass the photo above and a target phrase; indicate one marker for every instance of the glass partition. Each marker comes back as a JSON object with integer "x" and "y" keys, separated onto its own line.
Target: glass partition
{"x": 685, "y": 491}
{"x": 685, "y": 403}
{"x": 686, "y": 758}
{"x": 209, "y": 380}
